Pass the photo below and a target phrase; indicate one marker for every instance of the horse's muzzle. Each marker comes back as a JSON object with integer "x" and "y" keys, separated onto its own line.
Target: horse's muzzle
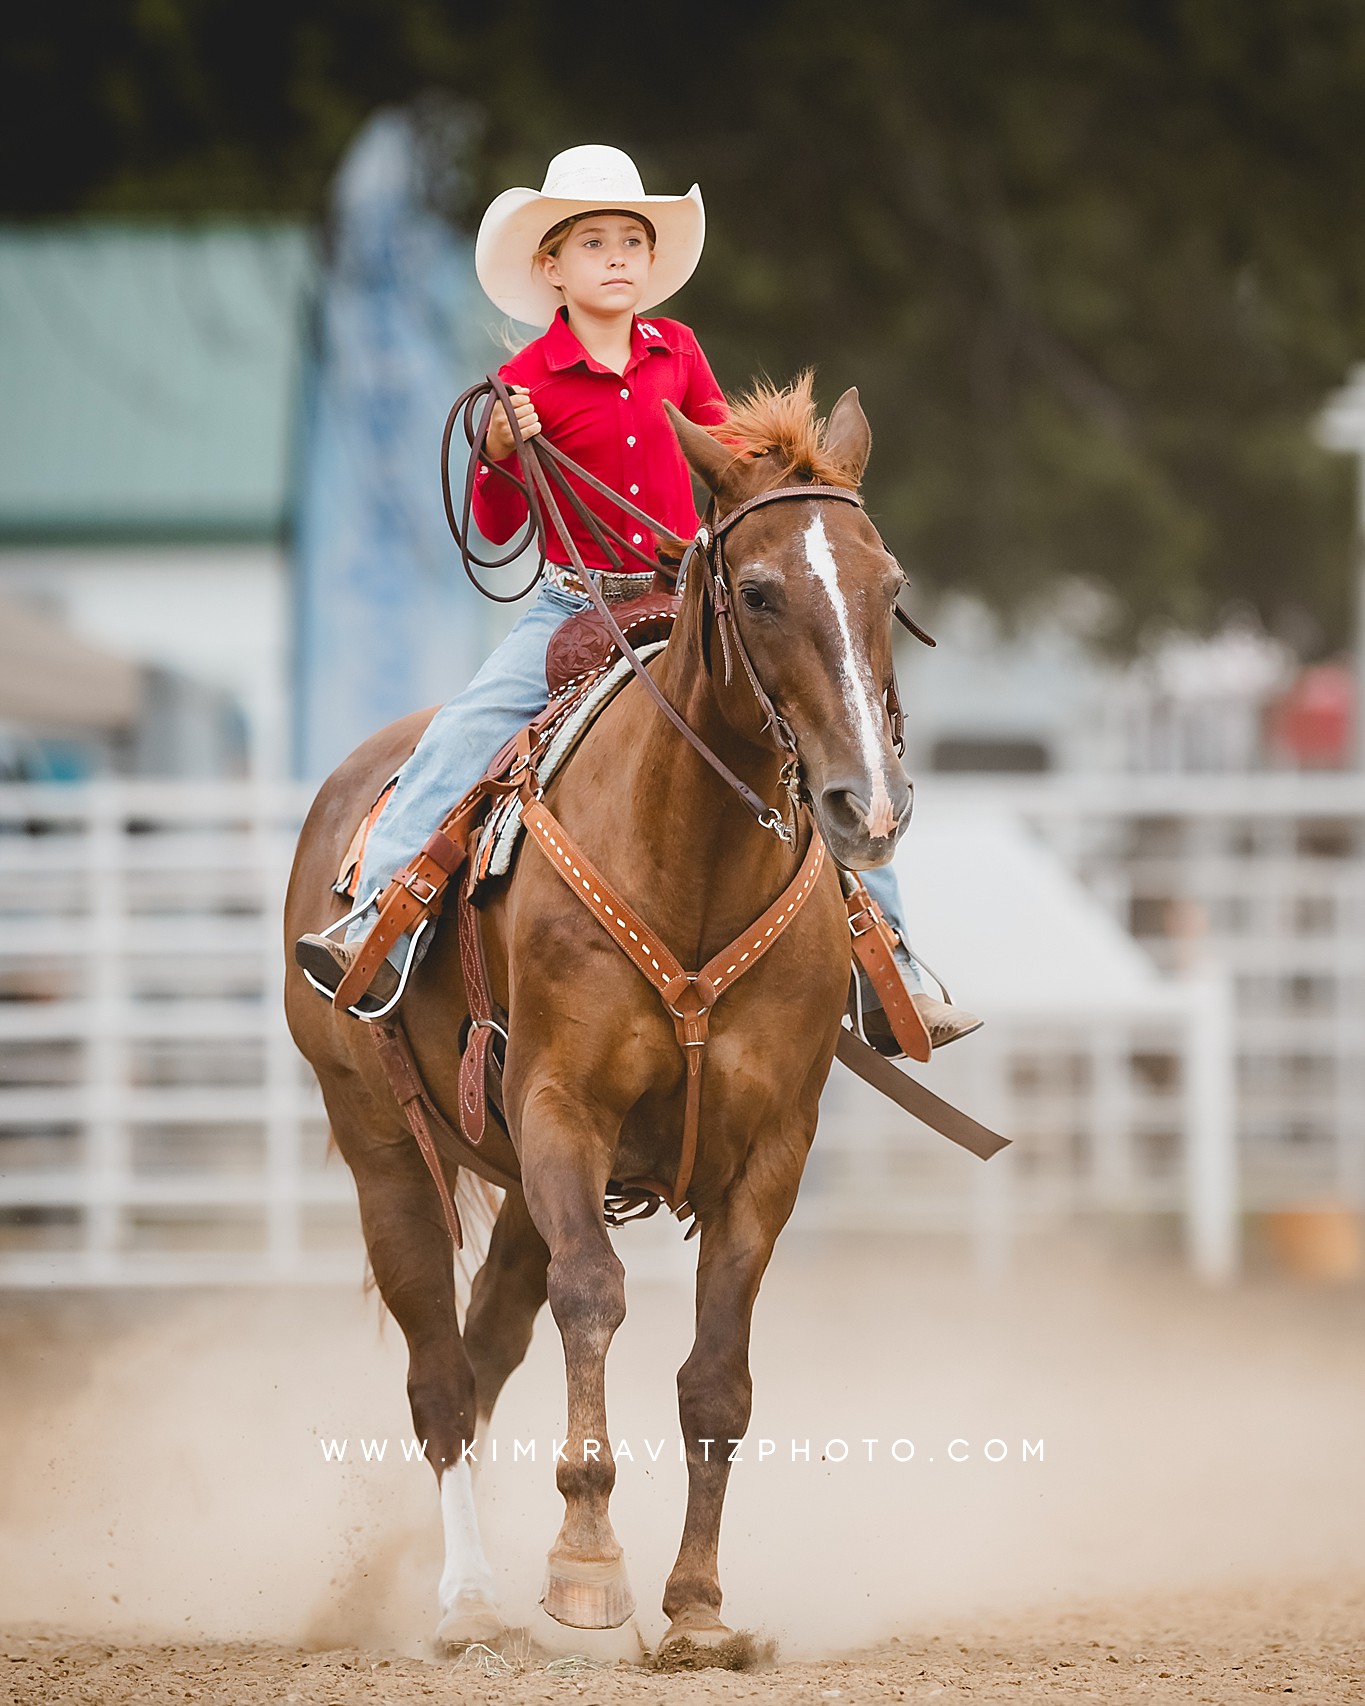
{"x": 862, "y": 831}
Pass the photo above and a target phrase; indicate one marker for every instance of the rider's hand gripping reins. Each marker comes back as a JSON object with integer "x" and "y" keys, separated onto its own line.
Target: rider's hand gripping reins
{"x": 687, "y": 996}
{"x": 545, "y": 467}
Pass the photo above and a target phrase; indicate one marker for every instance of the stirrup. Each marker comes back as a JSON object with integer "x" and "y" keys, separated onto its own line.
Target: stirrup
{"x": 856, "y": 1015}
{"x": 375, "y": 1013}
{"x": 924, "y": 965}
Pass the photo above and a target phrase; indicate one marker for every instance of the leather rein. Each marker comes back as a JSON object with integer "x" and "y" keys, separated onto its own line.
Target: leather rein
{"x": 416, "y": 893}
{"x": 544, "y": 485}
{"x": 688, "y": 996}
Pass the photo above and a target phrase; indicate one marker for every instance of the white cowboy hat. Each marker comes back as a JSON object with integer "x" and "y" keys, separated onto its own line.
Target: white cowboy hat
{"x": 581, "y": 180}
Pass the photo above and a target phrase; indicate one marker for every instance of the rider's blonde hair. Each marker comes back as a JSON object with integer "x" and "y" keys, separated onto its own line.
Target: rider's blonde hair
{"x": 553, "y": 240}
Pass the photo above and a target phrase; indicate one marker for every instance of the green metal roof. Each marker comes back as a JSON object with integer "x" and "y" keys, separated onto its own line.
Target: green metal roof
{"x": 148, "y": 378}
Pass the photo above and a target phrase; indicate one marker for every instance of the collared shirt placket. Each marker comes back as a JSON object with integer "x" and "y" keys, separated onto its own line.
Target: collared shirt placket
{"x": 629, "y": 420}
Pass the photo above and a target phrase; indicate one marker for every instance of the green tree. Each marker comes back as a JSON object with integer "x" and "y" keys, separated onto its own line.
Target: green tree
{"x": 1094, "y": 264}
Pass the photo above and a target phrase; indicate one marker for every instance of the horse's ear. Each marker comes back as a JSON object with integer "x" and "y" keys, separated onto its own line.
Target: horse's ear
{"x": 707, "y": 458}
{"x": 848, "y": 437}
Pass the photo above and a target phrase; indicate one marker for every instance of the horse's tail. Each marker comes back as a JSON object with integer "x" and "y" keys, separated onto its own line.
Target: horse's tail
{"x": 478, "y": 1203}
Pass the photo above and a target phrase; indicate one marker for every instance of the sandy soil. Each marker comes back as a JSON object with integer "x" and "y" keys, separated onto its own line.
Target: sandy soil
{"x": 1225, "y": 1648}
{"x": 170, "y": 1531}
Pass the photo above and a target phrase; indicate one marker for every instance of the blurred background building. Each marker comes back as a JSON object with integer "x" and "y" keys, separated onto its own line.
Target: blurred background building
{"x": 149, "y": 383}
{"x": 1110, "y": 455}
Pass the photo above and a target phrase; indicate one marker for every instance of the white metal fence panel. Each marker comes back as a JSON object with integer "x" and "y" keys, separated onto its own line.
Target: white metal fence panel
{"x": 1262, "y": 877}
{"x": 156, "y": 1124}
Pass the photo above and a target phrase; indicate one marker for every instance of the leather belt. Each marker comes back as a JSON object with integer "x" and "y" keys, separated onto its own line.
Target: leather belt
{"x": 616, "y": 589}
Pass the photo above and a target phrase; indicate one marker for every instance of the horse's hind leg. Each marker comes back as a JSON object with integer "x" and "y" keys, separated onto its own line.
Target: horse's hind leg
{"x": 413, "y": 1266}
{"x": 504, "y": 1301}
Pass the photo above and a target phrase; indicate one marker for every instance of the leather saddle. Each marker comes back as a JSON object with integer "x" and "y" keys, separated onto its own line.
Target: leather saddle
{"x": 583, "y": 645}
{"x": 581, "y": 651}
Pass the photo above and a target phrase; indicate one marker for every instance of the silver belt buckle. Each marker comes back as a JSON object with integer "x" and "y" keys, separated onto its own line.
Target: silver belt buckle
{"x": 618, "y": 589}
{"x": 854, "y": 918}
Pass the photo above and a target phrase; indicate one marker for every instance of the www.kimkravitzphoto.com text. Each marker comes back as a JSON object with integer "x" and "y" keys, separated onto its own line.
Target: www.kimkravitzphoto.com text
{"x": 339, "y": 1449}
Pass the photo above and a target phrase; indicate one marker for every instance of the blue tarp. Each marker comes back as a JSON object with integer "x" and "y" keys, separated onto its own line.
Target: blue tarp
{"x": 384, "y": 619}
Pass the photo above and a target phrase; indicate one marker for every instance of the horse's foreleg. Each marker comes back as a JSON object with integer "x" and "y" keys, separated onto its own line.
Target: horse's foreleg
{"x": 504, "y": 1300}
{"x": 564, "y": 1171}
{"x": 715, "y": 1393}
{"x": 413, "y": 1267}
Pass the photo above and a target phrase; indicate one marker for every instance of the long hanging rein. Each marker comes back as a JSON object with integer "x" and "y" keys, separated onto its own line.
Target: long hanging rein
{"x": 543, "y": 485}
{"x": 687, "y": 996}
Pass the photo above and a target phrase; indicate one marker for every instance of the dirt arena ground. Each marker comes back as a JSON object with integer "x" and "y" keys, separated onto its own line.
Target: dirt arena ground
{"x": 1190, "y": 1530}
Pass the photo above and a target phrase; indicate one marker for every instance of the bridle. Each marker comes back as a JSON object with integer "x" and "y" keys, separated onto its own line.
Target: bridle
{"x": 544, "y": 485}
{"x": 709, "y": 548}
{"x": 688, "y": 996}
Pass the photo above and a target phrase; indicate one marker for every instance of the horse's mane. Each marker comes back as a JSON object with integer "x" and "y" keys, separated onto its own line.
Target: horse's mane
{"x": 781, "y": 421}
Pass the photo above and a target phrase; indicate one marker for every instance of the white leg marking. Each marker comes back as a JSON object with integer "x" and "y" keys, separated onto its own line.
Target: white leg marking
{"x": 466, "y": 1573}
{"x": 858, "y": 684}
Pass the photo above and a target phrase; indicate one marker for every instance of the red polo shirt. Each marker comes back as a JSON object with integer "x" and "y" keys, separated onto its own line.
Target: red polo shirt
{"x": 614, "y": 424}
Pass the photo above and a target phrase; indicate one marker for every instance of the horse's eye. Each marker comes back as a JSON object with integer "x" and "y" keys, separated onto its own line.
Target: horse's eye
{"x": 753, "y": 598}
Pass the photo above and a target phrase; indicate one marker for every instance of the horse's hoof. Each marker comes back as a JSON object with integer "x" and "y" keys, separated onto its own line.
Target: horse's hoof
{"x": 700, "y": 1641}
{"x": 472, "y": 1619}
{"x": 702, "y": 1630}
{"x": 587, "y": 1594}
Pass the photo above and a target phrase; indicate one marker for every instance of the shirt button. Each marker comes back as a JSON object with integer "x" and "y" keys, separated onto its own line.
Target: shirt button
{"x": 637, "y": 538}
{"x": 624, "y": 391}
{"x": 634, "y": 491}
{"x": 631, "y": 439}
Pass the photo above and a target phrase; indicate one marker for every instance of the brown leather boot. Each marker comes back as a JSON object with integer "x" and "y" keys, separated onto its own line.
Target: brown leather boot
{"x": 328, "y": 960}
{"x": 945, "y": 1024}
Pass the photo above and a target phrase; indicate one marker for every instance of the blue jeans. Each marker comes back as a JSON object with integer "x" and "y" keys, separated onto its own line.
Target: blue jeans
{"x": 460, "y": 739}
{"x": 454, "y": 751}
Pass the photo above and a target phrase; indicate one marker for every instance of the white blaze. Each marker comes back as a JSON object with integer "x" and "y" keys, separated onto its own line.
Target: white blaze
{"x": 859, "y": 688}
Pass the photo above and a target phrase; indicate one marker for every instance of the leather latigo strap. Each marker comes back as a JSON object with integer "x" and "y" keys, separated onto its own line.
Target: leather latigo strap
{"x": 875, "y": 1069}
{"x": 875, "y": 946}
{"x": 688, "y": 996}
{"x": 479, "y": 999}
{"x": 425, "y": 1120}
{"x": 395, "y": 1054}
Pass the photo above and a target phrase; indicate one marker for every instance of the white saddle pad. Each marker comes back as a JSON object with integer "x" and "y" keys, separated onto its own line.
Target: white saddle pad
{"x": 492, "y": 857}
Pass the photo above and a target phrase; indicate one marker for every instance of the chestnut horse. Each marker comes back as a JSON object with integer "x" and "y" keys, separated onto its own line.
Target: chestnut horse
{"x": 593, "y": 1087}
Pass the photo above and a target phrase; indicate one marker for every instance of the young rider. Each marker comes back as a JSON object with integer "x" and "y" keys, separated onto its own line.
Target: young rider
{"x": 585, "y": 256}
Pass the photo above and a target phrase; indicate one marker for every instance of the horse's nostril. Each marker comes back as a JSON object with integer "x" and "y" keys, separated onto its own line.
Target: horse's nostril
{"x": 845, "y": 807}
{"x": 881, "y": 818}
